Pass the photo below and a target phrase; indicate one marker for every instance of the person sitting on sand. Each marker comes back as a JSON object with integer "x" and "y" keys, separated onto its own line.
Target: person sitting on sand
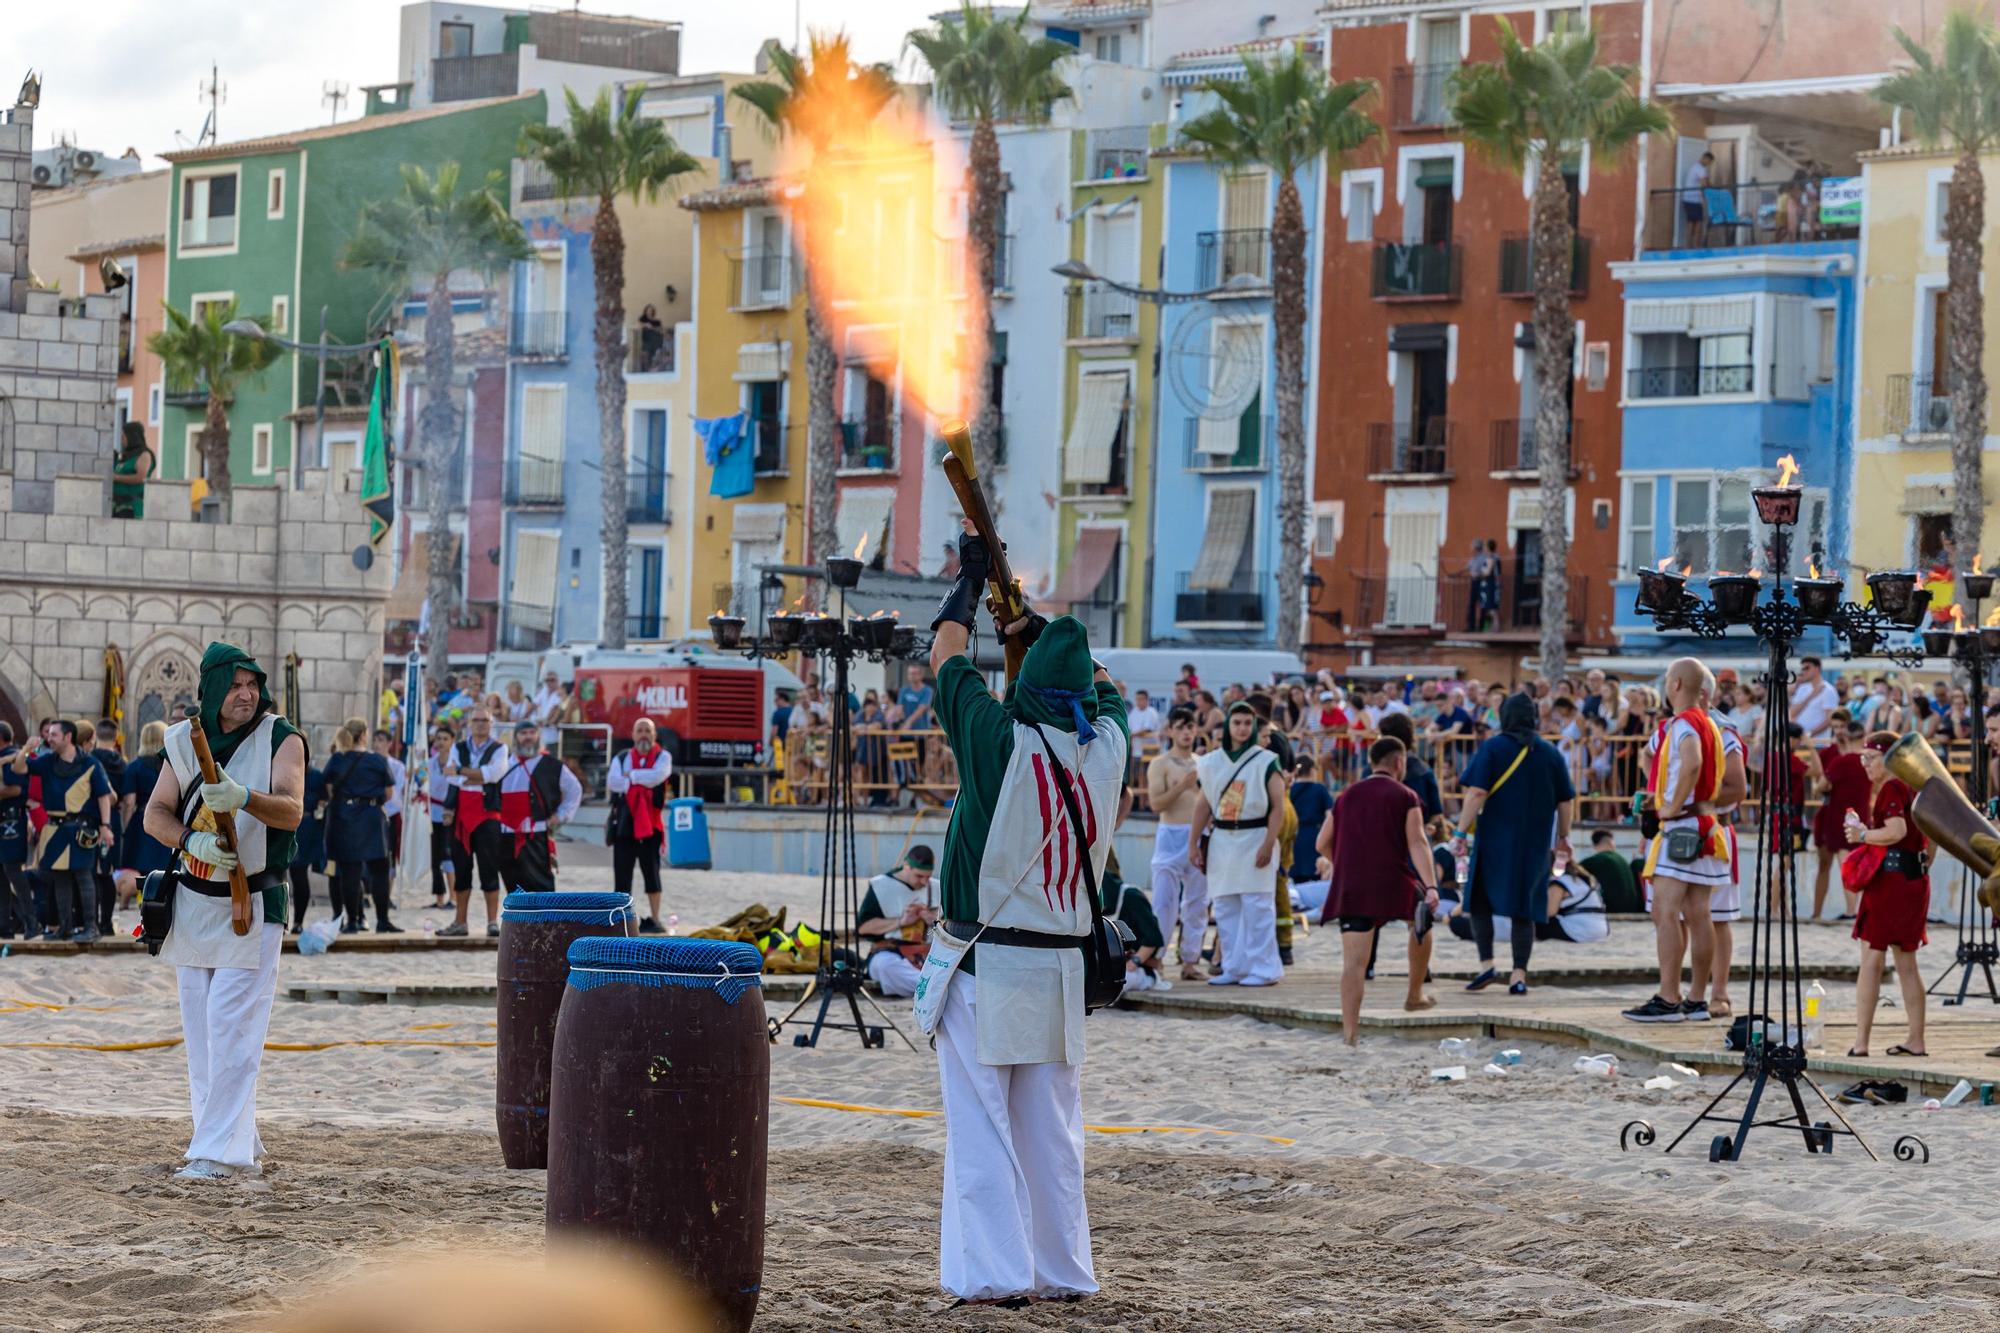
{"x": 1576, "y": 914}
{"x": 1380, "y": 860}
{"x": 895, "y": 901}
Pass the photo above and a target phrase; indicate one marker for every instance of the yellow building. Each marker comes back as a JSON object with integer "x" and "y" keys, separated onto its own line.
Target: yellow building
{"x": 746, "y": 354}
{"x": 1902, "y": 482}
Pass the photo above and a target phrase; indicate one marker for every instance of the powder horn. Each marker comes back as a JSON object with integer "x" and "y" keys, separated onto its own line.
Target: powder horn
{"x": 1944, "y": 814}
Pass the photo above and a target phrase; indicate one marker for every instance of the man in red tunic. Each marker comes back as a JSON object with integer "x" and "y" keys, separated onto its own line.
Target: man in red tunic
{"x": 1379, "y": 862}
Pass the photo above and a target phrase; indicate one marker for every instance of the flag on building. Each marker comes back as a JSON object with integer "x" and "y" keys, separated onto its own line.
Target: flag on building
{"x": 377, "y": 450}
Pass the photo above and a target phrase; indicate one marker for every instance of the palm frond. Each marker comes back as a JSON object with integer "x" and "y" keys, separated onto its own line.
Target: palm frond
{"x": 986, "y": 69}
{"x": 1282, "y": 114}
{"x": 1554, "y": 98}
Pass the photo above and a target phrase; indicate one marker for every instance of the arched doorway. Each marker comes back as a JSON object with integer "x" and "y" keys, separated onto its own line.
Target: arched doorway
{"x": 165, "y": 677}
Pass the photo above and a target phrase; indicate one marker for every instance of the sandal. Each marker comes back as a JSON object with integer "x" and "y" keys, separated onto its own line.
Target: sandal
{"x": 1720, "y": 1009}
{"x": 1900, "y": 1050}
{"x": 1853, "y": 1054}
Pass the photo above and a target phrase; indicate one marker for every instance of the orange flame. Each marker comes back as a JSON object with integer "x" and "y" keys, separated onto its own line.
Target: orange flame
{"x": 1756, "y": 573}
{"x": 1787, "y": 469}
{"x": 719, "y": 614}
{"x": 1957, "y": 617}
{"x": 872, "y": 207}
{"x": 1686, "y": 570}
{"x": 1993, "y": 617}
{"x": 861, "y": 546}
{"x": 1665, "y": 560}
{"x": 1812, "y": 569}
{"x": 1975, "y": 564}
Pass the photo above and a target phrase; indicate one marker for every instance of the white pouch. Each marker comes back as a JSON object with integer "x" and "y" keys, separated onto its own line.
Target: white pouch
{"x": 940, "y": 966}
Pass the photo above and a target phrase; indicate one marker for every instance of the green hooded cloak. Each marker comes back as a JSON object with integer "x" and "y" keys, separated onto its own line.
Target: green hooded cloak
{"x": 1054, "y": 690}
{"x": 219, "y": 663}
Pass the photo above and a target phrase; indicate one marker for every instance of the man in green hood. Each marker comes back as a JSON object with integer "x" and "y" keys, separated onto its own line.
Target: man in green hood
{"x": 227, "y": 980}
{"x": 1014, "y": 885}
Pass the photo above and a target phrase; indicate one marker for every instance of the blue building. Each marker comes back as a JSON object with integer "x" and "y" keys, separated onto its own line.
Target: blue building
{"x": 1733, "y": 361}
{"x": 1215, "y": 501}
{"x": 552, "y": 560}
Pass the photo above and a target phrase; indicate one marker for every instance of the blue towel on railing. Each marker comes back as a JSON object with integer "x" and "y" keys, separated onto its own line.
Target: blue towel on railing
{"x": 726, "y": 445}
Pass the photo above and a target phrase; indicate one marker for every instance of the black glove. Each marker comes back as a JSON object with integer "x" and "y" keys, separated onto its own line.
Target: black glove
{"x": 961, "y": 604}
{"x": 1649, "y": 823}
{"x": 1029, "y": 632}
{"x": 974, "y": 562}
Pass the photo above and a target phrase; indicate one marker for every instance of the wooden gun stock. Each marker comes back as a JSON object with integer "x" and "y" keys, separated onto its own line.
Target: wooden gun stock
{"x": 1005, "y": 599}
{"x": 225, "y": 832}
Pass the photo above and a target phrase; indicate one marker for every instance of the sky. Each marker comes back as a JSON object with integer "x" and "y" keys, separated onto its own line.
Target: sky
{"x": 126, "y": 73}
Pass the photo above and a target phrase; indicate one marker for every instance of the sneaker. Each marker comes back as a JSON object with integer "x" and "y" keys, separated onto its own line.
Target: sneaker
{"x": 493, "y": 930}
{"x": 85, "y": 937}
{"x": 201, "y": 1168}
{"x": 1694, "y": 1011}
{"x": 455, "y": 931}
{"x": 651, "y": 926}
{"x": 1657, "y": 1010}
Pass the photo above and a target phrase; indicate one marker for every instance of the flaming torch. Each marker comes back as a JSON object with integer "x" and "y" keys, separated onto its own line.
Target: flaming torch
{"x": 1778, "y": 506}
{"x": 1977, "y": 584}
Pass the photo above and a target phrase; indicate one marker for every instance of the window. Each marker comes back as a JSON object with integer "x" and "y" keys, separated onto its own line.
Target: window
{"x": 1639, "y": 550}
{"x": 281, "y": 314}
{"x": 1940, "y": 201}
{"x": 1932, "y": 532}
{"x": 1440, "y": 55}
{"x": 1327, "y": 516}
{"x": 1712, "y": 524}
{"x": 343, "y": 460}
{"x": 208, "y": 212}
{"x": 1826, "y": 328}
{"x": 1361, "y": 210}
{"x": 1569, "y": 19}
{"x": 191, "y": 452}
{"x": 645, "y": 586}
{"x": 123, "y": 414}
{"x": 156, "y": 402}
{"x": 454, "y": 41}
{"x": 868, "y": 426}
{"x": 274, "y": 195}
{"x": 764, "y": 403}
{"x": 1693, "y": 349}
{"x": 688, "y": 121}
{"x": 199, "y": 303}
{"x": 260, "y": 448}
{"x": 1109, "y": 45}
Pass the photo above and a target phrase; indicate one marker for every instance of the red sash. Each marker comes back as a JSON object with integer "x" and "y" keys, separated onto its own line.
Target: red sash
{"x": 517, "y": 809}
{"x": 639, "y": 800}
{"x": 472, "y": 812}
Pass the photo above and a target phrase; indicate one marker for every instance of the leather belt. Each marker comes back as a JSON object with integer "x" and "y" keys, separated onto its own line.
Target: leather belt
{"x": 212, "y": 888}
{"x": 1231, "y": 825}
{"x": 1014, "y": 939}
{"x": 1902, "y": 861}
{"x": 357, "y": 800}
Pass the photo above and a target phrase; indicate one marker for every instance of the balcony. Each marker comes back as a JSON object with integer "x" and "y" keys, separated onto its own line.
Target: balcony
{"x": 868, "y": 445}
{"x": 1817, "y": 208}
{"x": 465, "y": 78}
{"x": 645, "y": 625}
{"x": 1003, "y": 264}
{"x": 1253, "y": 436}
{"x": 1916, "y": 407}
{"x": 1416, "y": 271}
{"x": 1689, "y": 381}
{"x": 761, "y": 279}
{"x": 646, "y": 496}
{"x": 1517, "y": 267}
{"x": 1099, "y": 314}
{"x": 1420, "y": 96}
{"x": 533, "y": 480}
{"x": 1403, "y": 451}
{"x": 1240, "y": 605}
{"x": 1240, "y": 258}
{"x": 1116, "y": 154}
{"x": 1512, "y": 442}
{"x": 649, "y": 351}
{"x": 768, "y": 440}
{"x": 537, "y": 334}
{"x": 1436, "y": 605}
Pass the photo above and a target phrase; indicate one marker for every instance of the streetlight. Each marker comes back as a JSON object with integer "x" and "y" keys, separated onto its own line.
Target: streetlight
{"x": 1077, "y": 271}
{"x": 320, "y": 351}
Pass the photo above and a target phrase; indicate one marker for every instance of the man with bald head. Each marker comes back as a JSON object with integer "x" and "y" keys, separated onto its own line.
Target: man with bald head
{"x": 1694, "y": 774}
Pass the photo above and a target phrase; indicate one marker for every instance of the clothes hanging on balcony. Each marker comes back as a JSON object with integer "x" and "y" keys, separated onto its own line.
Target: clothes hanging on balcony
{"x": 726, "y": 445}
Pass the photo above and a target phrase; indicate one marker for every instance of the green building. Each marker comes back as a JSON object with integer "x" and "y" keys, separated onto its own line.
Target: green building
{"x": 263, "y": 222}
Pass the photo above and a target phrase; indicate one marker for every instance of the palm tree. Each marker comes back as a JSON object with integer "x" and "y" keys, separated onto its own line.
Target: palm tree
{"x": 423, "y": 235}
{"x": 1536, "y": 109}
{"x": 1283, "y": 114}
{"x": 810, "y": 101}
{"x": 1953, "y": 101}
{"x": 987, "y": 70}
{"x": 601, "y": 154}
{"x": 200, "y": 356}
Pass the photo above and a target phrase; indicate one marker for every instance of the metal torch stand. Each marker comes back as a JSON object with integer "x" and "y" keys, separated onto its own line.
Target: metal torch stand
{"x": 1978, "y": 942}
{"x": 840, "y": 972}
{"x": 1775, "y": 1045}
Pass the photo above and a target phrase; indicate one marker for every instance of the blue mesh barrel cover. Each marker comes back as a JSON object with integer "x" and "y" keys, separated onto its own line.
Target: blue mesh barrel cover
{"x": 727, "y": 967}
{"x": 594, "y": 908}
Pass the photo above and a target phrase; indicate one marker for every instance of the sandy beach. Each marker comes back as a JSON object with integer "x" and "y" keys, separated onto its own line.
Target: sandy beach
{"x": 1398, "y": 1202}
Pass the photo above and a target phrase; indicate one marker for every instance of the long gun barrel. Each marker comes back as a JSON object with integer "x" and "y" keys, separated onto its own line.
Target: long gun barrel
{"x": 1005, "y": 598}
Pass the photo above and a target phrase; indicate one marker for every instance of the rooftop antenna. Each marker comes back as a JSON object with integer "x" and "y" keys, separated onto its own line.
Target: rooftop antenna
{"x": 215, "y": 92}
{"x": 334, "y": 93}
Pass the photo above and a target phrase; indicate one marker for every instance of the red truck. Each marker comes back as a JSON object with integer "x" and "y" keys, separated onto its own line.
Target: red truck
{"x": 710, "y": 711}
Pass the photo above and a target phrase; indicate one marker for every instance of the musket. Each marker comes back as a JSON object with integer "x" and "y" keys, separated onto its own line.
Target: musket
{"x": 1004, "y": 601}
{"x": 225, "y": 832}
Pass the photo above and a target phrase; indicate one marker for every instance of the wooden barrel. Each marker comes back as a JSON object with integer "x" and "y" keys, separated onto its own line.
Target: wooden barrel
{"x": 657, "y": 1110}
{"x": 536, "y": 930}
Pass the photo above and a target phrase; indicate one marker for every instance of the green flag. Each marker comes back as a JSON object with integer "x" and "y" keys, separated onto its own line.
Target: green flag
{"x": 377, "y": 498}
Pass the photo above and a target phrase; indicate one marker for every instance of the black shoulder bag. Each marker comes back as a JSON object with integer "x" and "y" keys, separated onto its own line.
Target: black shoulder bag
{"x": 1110, "y": 939}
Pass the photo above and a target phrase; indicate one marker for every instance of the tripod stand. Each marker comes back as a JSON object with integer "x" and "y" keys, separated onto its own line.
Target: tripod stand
{"x": 1978, "y": 942}
{"x": 1775, "y": 1044}
{"x": 839, "y": 975}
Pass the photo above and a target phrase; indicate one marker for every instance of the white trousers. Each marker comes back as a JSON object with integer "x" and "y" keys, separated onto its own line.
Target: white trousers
{"x": 225, "y": 1013}
{"x": 1180, "y": 896}
{"x": 1014, "y": 1221}
{"x": 1246, "y": 926}
{"x": 893, "y": 973}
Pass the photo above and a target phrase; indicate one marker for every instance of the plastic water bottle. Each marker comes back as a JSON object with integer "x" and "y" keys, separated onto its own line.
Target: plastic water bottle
{"x": 1456, "y": 1047}
{"x": 1815, "y": 1017}
{"x": 673, "y": 923}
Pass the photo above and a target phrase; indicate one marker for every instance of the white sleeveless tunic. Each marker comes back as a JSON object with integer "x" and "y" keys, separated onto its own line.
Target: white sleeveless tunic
{"x": 201, "y": 936}
{"x": 1236, "y": 789}
{"x": 1030, "y": 1007}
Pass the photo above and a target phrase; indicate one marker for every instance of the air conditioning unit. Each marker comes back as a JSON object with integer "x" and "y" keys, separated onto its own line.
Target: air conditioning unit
{"x": 1937, "y": 415}
{"x": 86, "y": 160}
{"x": 44, "y": 175}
